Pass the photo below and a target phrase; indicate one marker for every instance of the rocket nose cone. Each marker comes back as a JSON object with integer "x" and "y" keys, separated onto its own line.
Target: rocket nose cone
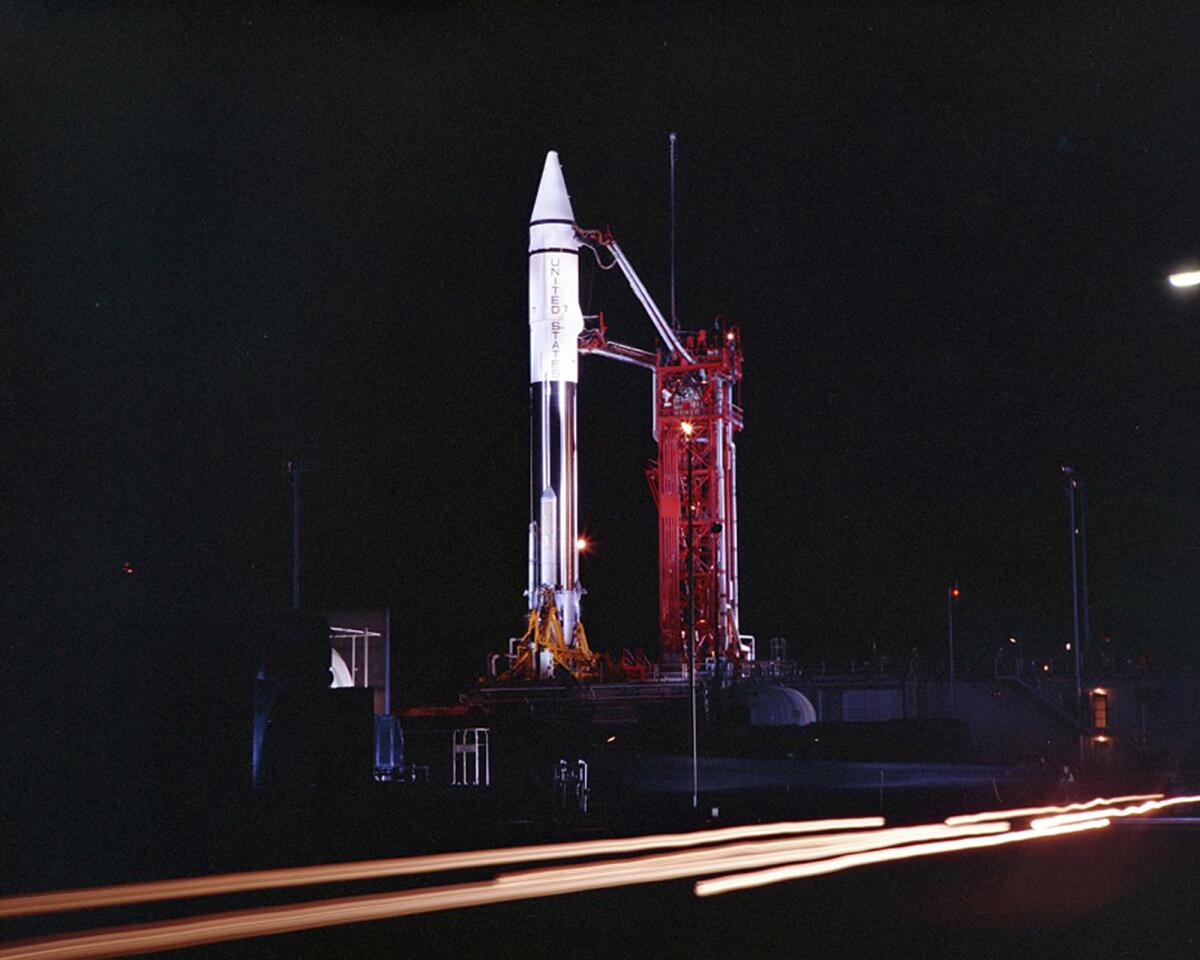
{"x": 552, "y": 202}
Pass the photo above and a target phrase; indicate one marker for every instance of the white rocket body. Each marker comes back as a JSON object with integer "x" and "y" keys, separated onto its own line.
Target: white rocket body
{"x": 555, "y": 322}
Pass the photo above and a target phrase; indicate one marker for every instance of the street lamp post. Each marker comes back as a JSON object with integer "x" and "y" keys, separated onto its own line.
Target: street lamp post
{"x": 688, "y": 429}
{"x": 1069, "y": 473}
{"x": 718, "y": 649}
{"x": 1085, "y": 634}
{"x": 952, "y": 593}
{"x": 295, "y": 468}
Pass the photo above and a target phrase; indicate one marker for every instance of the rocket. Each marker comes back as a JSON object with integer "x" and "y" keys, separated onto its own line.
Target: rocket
{"x": 555, "y": 322}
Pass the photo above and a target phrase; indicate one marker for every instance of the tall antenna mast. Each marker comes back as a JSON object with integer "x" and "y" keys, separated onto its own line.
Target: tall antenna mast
{"x": 674, "y": 318}
{"x": 295, "y": 468}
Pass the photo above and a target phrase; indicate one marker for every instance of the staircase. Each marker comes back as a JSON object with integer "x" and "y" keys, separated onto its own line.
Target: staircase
{"x": 1045, "y": 702}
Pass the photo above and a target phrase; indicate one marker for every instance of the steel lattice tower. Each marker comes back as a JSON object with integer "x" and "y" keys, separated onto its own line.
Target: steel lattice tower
{"x": 697, "y": 418}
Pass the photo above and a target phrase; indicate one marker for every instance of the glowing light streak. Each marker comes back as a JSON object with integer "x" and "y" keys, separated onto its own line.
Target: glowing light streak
{"x": 91, "y": 898}
{"x": 761, "y": 878}
{"x": 1025, "y": 812}
{"x": 807, "y": 852}
{"x": 1164, "y": 822}
{"x": 218, "y": 927}
{"x": 545, "y": 882}
{"x": 692, "y": 863}
{"x": 1135, "y": 811}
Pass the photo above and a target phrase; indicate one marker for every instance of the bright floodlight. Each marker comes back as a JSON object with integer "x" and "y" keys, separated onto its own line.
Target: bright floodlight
{"x": 1189, "y": 278}
{"x": 581, "y": 543}
{"x": 687, "y": 428}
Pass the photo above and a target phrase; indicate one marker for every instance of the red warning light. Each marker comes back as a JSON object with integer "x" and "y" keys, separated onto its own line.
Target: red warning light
{"x": 954, "y": 591}
{"x": 127, "y": 568}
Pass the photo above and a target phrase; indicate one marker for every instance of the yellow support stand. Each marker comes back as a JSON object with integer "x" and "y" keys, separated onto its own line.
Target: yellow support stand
{"x": 544, "y": 632}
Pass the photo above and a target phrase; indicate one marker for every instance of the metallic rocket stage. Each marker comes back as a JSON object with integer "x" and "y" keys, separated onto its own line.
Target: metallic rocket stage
{"x": 555, "y": 322}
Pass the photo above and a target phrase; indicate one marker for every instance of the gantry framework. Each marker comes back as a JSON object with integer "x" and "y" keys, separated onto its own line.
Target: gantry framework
{"x": 694, "y": 483}
{"x": 696, "y": 417}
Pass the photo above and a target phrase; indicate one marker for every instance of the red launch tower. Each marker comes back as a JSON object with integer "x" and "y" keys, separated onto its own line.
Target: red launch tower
{"x": 694, "y": 483}
{"x": 696, "y": 418}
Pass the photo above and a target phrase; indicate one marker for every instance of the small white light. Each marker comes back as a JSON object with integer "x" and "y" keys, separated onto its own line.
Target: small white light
{"x": 1188, "y": 278}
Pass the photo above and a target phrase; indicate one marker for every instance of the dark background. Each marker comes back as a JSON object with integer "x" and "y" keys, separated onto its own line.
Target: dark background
{"x": 238, "y": 234}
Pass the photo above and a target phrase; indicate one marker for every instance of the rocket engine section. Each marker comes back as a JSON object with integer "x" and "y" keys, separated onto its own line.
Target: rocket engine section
{"x": 555, "y": 323}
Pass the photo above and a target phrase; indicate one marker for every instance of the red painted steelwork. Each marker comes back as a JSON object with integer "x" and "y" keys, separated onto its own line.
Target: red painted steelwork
{"x": 701, "y": 394}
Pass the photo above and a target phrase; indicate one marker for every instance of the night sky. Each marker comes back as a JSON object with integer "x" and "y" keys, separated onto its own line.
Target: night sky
{"x": 237, "y": 234}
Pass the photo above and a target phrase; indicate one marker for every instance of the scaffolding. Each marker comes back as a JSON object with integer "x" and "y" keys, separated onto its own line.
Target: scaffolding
{"x": 472, "y": 759}
{"x": 694, "y": 484}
